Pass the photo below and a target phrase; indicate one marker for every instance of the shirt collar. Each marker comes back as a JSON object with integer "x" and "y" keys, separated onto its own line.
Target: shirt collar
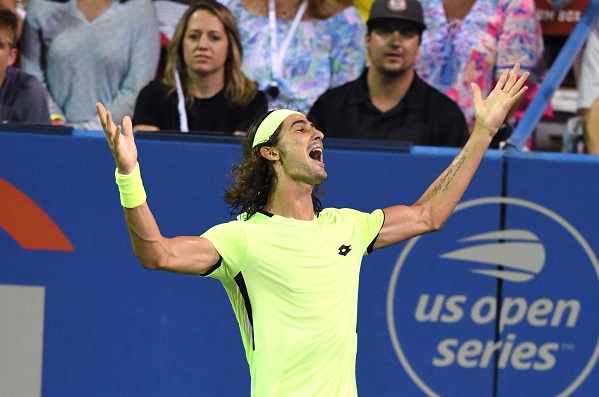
{"x": 414, "y": 98}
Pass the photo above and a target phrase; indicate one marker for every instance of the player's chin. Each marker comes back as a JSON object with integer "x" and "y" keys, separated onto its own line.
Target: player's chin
{"x": 321, "y": 176}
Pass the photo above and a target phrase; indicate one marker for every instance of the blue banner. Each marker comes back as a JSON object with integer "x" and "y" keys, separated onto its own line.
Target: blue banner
{"x": 501, "y": 302}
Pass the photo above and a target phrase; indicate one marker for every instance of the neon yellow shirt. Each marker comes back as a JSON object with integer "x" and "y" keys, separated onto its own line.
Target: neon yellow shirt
{"x": 294, "y": 288}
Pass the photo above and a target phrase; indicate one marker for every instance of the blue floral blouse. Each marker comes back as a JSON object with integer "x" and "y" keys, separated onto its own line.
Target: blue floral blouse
{"x": 322, "y": 54}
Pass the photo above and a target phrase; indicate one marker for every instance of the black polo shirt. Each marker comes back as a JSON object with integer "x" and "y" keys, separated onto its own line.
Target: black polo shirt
{"x": 424, "y": 116}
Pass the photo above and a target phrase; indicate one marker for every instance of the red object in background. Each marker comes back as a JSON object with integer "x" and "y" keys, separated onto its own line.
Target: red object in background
{"x": 559, "y": 17}
{"x": 27, "y": 223}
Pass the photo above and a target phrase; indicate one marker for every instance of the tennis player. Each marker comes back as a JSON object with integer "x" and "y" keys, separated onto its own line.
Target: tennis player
{"x": 289, "y": 266}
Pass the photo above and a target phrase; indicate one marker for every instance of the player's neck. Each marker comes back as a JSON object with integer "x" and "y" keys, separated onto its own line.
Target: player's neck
{"x": 291, "y": 201}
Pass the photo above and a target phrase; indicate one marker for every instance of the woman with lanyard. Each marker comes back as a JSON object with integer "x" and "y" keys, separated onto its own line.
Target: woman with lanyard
{"x": 203, "y": 89}
{"x": 297, "y": 49}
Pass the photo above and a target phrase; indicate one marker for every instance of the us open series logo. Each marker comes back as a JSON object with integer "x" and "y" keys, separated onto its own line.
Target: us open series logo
{"x": 514, "y": 304}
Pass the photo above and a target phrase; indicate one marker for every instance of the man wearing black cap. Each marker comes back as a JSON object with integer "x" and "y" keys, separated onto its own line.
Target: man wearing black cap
{"x": 389, "y": 101}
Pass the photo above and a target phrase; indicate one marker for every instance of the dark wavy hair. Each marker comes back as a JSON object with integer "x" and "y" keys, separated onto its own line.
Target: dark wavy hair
{"x": 254, "y": 177}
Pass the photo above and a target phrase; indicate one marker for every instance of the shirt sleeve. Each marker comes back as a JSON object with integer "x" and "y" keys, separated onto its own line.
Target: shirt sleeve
{"x": 368, "y": 226}
{"x": 230, "y": 241}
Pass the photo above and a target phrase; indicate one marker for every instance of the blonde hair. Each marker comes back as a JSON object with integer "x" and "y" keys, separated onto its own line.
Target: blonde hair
{"x": 239, "y": 88}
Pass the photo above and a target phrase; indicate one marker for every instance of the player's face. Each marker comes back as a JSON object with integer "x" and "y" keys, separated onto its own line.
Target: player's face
{"x": 205, "y": 44}
{"x": 393, "y": 46}
{"x": 301, "y": 151}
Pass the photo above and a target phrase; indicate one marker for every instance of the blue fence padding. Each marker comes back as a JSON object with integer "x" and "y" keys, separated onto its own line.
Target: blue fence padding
{"x": 112, "y": 328}
{"x": 554, "y": 78}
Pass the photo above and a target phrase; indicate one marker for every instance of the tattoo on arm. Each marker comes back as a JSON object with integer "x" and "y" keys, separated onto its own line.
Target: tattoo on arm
{"x": 450, "y": 173}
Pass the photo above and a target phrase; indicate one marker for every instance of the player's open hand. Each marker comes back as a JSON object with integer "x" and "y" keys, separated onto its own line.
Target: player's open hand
{"x": 122, "y": 145}
{"x": 491, "y": 112}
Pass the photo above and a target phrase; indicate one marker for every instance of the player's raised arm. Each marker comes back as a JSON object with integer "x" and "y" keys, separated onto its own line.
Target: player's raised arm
{"x": 190, "y": 255}
{"x": 437, "y": 203}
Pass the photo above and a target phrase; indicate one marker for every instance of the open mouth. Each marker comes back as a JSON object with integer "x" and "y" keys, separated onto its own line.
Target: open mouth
{"x": 316, "y": 154}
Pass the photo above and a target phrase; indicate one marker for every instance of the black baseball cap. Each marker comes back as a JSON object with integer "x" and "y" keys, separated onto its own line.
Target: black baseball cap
{"x": 406, "y": 10}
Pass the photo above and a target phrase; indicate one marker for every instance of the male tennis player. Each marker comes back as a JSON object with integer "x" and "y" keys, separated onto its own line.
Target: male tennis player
{"x": 289, "y": 266}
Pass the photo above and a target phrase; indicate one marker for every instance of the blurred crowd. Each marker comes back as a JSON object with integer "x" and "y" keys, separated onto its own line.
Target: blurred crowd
{"x": 365, "y": 69}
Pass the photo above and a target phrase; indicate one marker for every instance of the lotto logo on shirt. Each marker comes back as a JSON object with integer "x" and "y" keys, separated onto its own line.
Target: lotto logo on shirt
{"x": 503, "y": 299}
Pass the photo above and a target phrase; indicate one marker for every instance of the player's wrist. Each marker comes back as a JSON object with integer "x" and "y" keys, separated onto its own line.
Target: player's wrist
{"x": 131, "y": 188}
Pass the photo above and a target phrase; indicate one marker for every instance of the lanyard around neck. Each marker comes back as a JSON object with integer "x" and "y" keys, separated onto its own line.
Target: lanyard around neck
{"x": 277, "y": 54}
{"x": 181, "y": 104}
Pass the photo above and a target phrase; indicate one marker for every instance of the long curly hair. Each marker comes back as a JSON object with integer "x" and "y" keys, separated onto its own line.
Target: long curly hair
{"x": 239, "y": 88}
{"x": 254, "y": 178}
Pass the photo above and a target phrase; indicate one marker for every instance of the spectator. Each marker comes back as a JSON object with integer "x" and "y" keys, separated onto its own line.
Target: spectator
{"x": 317, "y": 43}
{"x": 18, "y": 7}
{"x": 473, "y": 41}
{"x": 389, "y": 101}
{"x": 204, "y": 88}
{"x": 588, "y": 91}
{"x": 23, "y": 98}
{"x": 89, "y": 50}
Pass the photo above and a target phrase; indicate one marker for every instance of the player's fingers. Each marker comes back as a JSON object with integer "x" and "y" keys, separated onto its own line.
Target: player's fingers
{"x": 476, "y": 92}
{"x": 518, "y": 95}
{"x": 116, "y": 138}
{"x": 513, "y": 75}
{"x": 110, "y": 126}
{"x": 101, "y": 113}
{"x": 519, "y": 83}
{"x": 128, "y": 126}
{"x": 502, "y": 79}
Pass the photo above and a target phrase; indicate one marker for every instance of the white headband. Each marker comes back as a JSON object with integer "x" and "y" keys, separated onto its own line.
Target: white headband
{"x": 269, "y": 125}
